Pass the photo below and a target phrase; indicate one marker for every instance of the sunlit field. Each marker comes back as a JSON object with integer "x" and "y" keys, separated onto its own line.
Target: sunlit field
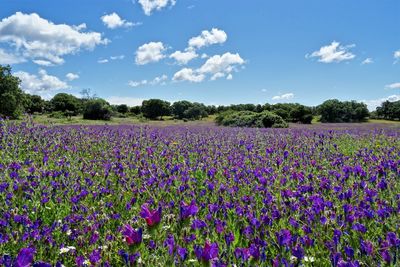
{"x": 199, "y": 195}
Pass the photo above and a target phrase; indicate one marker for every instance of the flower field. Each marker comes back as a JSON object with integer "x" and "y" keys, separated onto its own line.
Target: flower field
{"x": 199, "y": 196}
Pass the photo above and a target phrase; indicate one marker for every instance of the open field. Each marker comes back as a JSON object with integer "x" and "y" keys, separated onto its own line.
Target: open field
{"x": 196, "y": 195}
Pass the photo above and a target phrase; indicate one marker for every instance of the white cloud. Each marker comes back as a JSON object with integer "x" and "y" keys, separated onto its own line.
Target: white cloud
{"x": 42, "y": 82}
{"x": 41, "y": 40}
{"x": 397, "y": 54}
{"x": 333, "y": 53}
{"x": 367, "y": 61}
{"x": 283, "y": 97}
{"x": 264, "y": 90}
{"x": 207, "y": 38}
{"x": 6, "y": 58}
{"x": 130, "y": 101}
{"x": 204, "y": 55}
{"x": 102, "y": 61}
{"x": 393, "y": 86}
{"x": 229, "y": 77}
{"x": 157, "y": 80}
{"x": 72, "y": 76}
{"x": 374, "y": 103}
{"x": 217, "y": 76}
{"x": 182, "y": 58}
{"x": 150, "y": 52}
{"x": 44, "y": 63}
{"x": 120, "y": 57}
{"x": 113, "y": 21}
{"x": 224, "y": 64}
{"x": 187, "y": 74}
{"x": 150, "y": 5}
{"x": 137, "y": 83}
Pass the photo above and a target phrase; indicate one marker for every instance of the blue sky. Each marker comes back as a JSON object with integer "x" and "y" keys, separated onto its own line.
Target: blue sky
{"x": 215, "y": 52}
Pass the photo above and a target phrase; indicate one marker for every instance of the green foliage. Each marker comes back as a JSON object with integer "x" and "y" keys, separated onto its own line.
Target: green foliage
{"x": 123, "y": 109}
{"x": 264, "y": 119}
{"x": 154, "y": 108}
{"x": 389, "y": 110}
{"x": 188, "y": 110}
{"x": 334, "y": 110}
{"x": 97, "y": 109}
{"x": 11, "y": 96}
{"x": 63, "y": 102}
{"x": 34, "y": 104}
{"x": 135, "y": 110}
{"x": 179, "y": 108}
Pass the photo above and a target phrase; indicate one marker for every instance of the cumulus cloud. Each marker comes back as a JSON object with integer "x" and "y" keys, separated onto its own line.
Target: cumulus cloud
{"x": 374, "y": 103}
{"x": 42, "y": 82}
{"x": 72, "y": 76}
{"x": 43, "y": 41}
{"x": 182, "y": 58}
{"x": 187, "y": 74}
{"x": 157, "y": 80}
{"x": 396, "y": 54}
{"x": 393, "y": 86}
{"x": 225, "y": 63}
{"x": 367, "y": 61}
{"x": 217, "y": 76}
{"x": 150, "y": 52}
{"x": 333, "y": 53}
{"x": 113, "y": 21}
{"x": 207, "y": 38}
{"x": 150, "y": 5}
{"x": 130, "y": 101}
{"x": 102, "y": 61}
{"x": 283, "y": 97}
{"x": 6, "y": 58}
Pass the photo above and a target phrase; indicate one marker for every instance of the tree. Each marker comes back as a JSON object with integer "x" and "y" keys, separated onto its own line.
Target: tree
{"x": 135, "y": 110}
{"x": 34, "y": 104}
{"x": 195, "y": 112}
{"x": 179, "y": 108}
{"x": 123, "y": 108}
{"x": 64, "y": 102}
{"x": 11, "y": 96}
{"x": 389, "y": 110}
{"x": 154, "y": 108}
{"x": 97, "y": 109}
{"x": 334, "y": 110}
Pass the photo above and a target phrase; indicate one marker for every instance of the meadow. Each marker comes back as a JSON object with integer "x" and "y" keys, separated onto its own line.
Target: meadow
{"x": 199, "y": 195}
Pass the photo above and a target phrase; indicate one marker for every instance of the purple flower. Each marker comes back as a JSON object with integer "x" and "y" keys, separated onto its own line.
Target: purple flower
{"x": 25, "y": 257}
{"x": 284, "y": 237}
{"x": 95, "y": 256}
{"x": 152, "y": 217}
{"x": 183, "y": 253}
{"x": 206, "y": 253}
{"x": 188, "y": 210}
{"x": 132, "y": 236}
{"x": 170, "y": 243}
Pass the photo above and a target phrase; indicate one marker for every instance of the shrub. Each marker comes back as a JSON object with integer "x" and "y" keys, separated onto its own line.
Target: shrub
{"x": 97, "y": 109}
{"x": 264, "y": 119}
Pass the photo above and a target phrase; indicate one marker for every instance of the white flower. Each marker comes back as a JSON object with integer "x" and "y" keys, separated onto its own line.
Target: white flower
{"x": 86, "y": 262}
{"x": 192, "y": 260}
{"x": 146, "y": 236}
{"x": 139, "y": 260}
{"x": 166, "y": 227}
{"x": 66, "y": 249}
{"x": 309, "y": 259}
{"x": 69, "y": 232}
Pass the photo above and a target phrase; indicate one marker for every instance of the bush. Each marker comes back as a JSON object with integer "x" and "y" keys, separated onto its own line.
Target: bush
{"x": 97, "y": 109}
{"x": 264, "y": 119}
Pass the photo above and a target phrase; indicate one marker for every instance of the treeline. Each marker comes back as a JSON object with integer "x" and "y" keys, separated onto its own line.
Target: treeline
{"x": 388, "y": 111}
{"x": 14, "y": 102}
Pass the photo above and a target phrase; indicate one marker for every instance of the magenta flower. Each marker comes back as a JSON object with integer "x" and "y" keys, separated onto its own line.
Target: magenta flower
{"x": 132, "y": 236}
{"x": 152, "y": 217}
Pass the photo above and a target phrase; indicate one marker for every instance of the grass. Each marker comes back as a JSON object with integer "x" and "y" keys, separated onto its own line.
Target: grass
{"x": 78, "y": 120}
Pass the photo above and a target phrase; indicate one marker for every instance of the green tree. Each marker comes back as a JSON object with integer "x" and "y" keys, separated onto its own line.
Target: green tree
{"x": 34, "y": 104}
{"x": 155, "y": 108}
{"x": 65, "y": 102}
{"x": 97, "y": 109}
{"x": 123, "y": 108}
{"x": 11, "y": 96}
{"x": 178, "y": 108}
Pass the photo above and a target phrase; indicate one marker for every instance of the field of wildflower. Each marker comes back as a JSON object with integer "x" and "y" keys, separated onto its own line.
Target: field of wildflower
{"x": 199, "y": 196}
